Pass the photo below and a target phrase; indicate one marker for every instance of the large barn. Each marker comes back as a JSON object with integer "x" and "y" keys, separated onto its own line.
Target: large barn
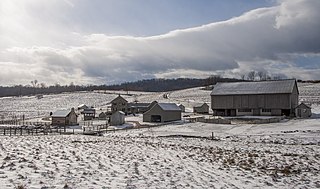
{"x": 269, "y": 98}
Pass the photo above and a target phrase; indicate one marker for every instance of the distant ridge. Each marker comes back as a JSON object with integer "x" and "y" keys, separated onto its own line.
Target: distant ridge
{"x": 164, "y": 85}
{"x": 150, "y": 85}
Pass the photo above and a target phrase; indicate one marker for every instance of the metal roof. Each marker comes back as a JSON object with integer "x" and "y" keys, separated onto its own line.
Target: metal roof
{"x": 261, "y": 87}
{"x": 61, "y": 113}
{"x": 169, "y": 106}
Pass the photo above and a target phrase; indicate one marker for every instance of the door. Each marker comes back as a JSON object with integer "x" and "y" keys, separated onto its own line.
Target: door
{"x": 155, "y": 118}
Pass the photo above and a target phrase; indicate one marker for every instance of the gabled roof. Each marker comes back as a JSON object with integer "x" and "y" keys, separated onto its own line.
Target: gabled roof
{"x": 61, "y": 113}
{"x": 134, "y": 105}
{"x": 119, "y": 98}
{"x": 119, "y": 112}
{"x": 199, "y": 105}
{"x": 261, "y": 87}
{"x": 169, "y": 107}
{"x": 303, "y": 105}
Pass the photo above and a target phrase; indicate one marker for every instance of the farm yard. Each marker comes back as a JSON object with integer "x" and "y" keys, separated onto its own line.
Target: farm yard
{"x": 176, "y": 155}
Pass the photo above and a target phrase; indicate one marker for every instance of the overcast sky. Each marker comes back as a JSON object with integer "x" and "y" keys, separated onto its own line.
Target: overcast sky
{"x": 112, "y": 41}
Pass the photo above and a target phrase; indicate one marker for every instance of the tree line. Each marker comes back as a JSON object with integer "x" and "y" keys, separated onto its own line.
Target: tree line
{"x": 149, "y": 85}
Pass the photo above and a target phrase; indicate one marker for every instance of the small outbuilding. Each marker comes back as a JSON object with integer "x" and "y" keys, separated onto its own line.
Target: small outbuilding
{"x": 137, "y": 108}
{"x": 117, "y": 118}
{"x": 182, "y": 107}
{"x": 64, "y": 118}
{"x": 82, "y": 107}
{"x": 102, "y": 116}
{"x": 88, "y": 114}
{"x": 303, "y": 111}
{"x": 162, "y": 112}
{"x": 201, "y": 108}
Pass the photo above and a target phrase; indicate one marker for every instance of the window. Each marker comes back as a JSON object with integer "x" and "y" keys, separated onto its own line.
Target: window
{"x": 266, "y": 110}
{"x": 244, "y": 110}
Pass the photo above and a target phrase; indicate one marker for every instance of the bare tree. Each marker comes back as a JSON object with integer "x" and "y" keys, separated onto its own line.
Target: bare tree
{"x": 251, "y": 75}
{"x": 43, "y": 85}
{"x": 34, "y": 83}
{"x": 262, "y": 75}
{"x": 243, "y": 77}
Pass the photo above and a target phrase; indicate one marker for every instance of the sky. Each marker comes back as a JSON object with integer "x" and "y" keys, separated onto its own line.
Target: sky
{"x": 112, "y": 41}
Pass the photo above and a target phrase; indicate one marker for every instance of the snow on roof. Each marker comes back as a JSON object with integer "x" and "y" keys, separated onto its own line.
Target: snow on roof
{"x": 133, "y": 105}
{"x": 199, "y": 105}
{"x": 61, "y": 113}
{"x": 169, "y": 106}
{"x": 261, "y": 87}
{"x": 303, "y": 105}
{"x": 119, "y": 97}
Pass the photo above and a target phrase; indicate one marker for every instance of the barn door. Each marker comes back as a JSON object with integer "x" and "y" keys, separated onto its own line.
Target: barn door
{"x": 155, "y": 118}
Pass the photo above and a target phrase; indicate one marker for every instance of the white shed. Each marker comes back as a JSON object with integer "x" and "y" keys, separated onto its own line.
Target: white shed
{"x": 117, "y": 118}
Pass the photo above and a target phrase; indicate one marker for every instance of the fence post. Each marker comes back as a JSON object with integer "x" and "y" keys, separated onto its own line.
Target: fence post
{"x": 20, "y": 130}
{"x": 4, "y": 131}
{"x": 212, "y": 135}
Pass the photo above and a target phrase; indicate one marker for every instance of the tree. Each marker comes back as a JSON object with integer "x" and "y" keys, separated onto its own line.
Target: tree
{"x": 262, "y": 75}
{"x": 251, "y": 75}
{"x": 34, "y": 83}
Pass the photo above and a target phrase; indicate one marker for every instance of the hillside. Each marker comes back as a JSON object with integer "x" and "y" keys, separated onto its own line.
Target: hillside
{"x": 177, "y": 155}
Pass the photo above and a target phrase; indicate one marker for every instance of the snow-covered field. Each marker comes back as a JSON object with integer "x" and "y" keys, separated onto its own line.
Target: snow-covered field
{"x": 178, "y": 155}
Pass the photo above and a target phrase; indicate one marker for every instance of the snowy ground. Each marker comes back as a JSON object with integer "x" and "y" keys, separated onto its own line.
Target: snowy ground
{"x": 178, "y": 155}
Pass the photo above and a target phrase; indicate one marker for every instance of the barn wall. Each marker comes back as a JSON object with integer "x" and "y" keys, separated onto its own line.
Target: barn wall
{"x": 295, "y": 97}
{"x": 273, "y": 101}
{"x": 72, "y": 118}
{"x": 171, "y": 116}
{"x": 61, "y": 121}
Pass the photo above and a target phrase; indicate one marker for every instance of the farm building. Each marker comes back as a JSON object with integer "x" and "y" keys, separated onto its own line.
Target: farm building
{"x": 162, "y": 112}
{"x": 88, "y": 114}
{"x": 182, "y": 107}
{"x": 64, "y": 118}
{"x": 269, "y": 98}
{"x": 201, "y": 108}
{"x": 303, "y": 111}
{"x": 119, "y": 104}
{"x": 82, "y": 107}
{"x": 137, "y": 108}
{"x": 117, "y": 118}
{"x": 102, "y": 116}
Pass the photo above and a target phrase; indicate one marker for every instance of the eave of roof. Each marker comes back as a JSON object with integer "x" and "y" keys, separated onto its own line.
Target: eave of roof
{"x": 249, "y": 88}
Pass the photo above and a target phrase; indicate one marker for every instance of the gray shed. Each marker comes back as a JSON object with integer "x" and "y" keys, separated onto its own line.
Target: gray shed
{"x": 182, "y": 107}
{"x": 64, "y": 118}
{"x": 162, "y": 112}
{"x": 269, "y": 98}
{"x": 117, "y": 118}
{"x": 201, "y": 108}
{"x": 102, "y": 116}
{"x": 303, "y": 111}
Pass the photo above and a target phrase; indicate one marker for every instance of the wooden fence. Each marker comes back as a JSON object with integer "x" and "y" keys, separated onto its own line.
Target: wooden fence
{"x": 25, "y": 130}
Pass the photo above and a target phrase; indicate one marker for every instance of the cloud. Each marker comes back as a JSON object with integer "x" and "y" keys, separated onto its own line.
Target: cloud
{"x": 270, "y": 39}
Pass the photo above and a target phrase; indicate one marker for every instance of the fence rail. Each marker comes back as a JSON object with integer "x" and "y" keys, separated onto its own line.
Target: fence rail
{"x": 35, "y": 130}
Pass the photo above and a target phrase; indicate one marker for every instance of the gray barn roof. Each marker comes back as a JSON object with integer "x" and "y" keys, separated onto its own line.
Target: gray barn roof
{"x": 61, "y": 113}
{"x": 169, "y": 107}
{"x": 261, "y": 87}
